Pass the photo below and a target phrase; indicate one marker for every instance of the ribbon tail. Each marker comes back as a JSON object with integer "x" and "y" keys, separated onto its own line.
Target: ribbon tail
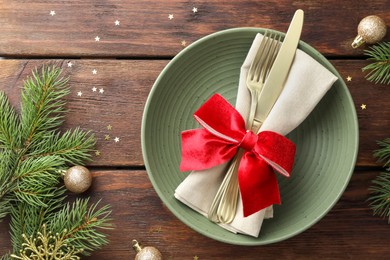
{"x": 258, "y": 184}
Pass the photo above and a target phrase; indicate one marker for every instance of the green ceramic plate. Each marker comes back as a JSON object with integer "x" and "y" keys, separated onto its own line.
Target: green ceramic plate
{"x": 327, "y": 141}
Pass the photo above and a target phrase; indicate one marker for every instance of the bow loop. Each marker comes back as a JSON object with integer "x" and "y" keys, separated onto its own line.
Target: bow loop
{"x": 223, "y": 133}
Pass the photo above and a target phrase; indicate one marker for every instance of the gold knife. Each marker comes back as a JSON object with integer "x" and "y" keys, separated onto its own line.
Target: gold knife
{"x": 226, "y": 208}
{"x": 275, "y": 81}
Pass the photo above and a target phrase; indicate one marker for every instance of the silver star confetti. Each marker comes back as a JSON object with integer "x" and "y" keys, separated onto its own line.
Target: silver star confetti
{"x": 70, "y": 64}
{"x": 52, "y": 13}
{"x": 79, "y": 93}
{"x": 116, "y": 139}
{"x": 101, "y": 90}
{"x": 97, "y": 38}
{"x": 194, "y": 10}
{"x": 94, "y": 72}
{"x": 94, "y": 89}
{"x": 117, "y": 22}
{"x": 170, "y": 16}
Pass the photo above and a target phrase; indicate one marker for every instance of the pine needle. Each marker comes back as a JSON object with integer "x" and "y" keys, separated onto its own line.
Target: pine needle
{"x": 380, "y": 195}
{"x": 379, "y": 69}
{"x": 383, "y": 154}
{"x": 33, "y": 153}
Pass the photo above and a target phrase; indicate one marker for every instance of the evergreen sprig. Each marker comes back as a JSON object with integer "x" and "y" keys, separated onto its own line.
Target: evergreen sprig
{"x": 380, "y": 190}
{"x": 72, "y": 231}
{"x": 379, "y": 69}
{"x": 383, "y": 154}
{"x": 33, "y": 155}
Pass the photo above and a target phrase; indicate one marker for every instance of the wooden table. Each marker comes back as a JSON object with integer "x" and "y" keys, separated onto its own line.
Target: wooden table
{"x": 82, "y": 36}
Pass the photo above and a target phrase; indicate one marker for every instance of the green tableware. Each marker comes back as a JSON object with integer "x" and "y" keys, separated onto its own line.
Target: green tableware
{"x": 327, "y": 141}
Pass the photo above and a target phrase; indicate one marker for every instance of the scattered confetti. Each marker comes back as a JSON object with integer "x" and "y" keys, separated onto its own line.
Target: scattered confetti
{"x": 97, "y": 38}
{"x": 194, "y": 10}
{"x": 97, "y": 153}
{"x": 52, "y": 13}
{"x": 116, "y": 139}
{"x": 106, "y": 137}
{"x": 79, "y": 93}
{"x": 94, "y": 71}
{"x": 109, "y": 127}
{"x": 196, "y": 257}
{"x": 183, "y": 43}
{"x": 117, "y": 22}
{"x": 70, "y": 64}
{"x": 94, "y": 89}
{"x": 349, "y": 78}
{"x": 155, "y": 229}
{"x": 101, "y": 90}
{"x": 363, "y": 106}
{"x": 170, "y": 16}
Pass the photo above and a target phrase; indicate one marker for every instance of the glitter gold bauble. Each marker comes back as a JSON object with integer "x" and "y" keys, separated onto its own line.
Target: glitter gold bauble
{"x": 77, "y": 179}
{"x": 371, "y": 30}
{"x": 146, "y": 253}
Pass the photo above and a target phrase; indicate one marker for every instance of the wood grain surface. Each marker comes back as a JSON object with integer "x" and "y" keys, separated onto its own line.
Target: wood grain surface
{"x": 129, "y": 57}
{"x": 28, "y": 29}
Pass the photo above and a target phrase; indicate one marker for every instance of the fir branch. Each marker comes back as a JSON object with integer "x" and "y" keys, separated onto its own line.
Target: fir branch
{"x": 81, "y": 224}
{"x": 36, "y": 180}
{"x": 380, "y": 195}
{"x": 383, "y": 154}
{"x": 42, "y": 106}
{"x": 74, "y": 147}
{"x": 27, "y": 219}
{"x": 379, "y": 69}
{"x": 9, "y": 124}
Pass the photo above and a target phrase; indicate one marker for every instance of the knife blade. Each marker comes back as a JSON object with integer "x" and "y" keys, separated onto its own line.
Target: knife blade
{"x": 275, "y": 82}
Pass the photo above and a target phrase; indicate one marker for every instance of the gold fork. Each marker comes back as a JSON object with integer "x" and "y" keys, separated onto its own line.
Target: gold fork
{"x": 224, "y": 205}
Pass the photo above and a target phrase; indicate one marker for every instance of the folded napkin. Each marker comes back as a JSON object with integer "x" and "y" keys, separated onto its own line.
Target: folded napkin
{"x": 306, "y": 84}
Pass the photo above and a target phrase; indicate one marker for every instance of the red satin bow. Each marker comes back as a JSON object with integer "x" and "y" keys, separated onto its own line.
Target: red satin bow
{"x": 217, "y": 142}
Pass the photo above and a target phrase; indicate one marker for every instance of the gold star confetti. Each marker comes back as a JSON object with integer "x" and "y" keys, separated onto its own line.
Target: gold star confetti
{"x": 97, "y": 38}
{"x": 107, "y": 137}
{"x": 170, "y": 16}
{"x": 109, "y": 127}
{"x": 79, "y": 93}
{"x": 363, "y": 106}
{"x": 94, "y": 72}
{"x": 194, "y": 10}
{"x": 117, "y": 22}
{"x": 116, "y": 139}
{"x": 52, "y": 13}
{"x": 101, "y": 91}
{"x": 196, "y": 257}
{"x": 349, "y": 78}
{"x": 97, "y": 153}
{"x": 94, "y": 89}
{"x": 155, "y": 229}
{"x": 70, "y": 64}
{"x": 183, "y": 43}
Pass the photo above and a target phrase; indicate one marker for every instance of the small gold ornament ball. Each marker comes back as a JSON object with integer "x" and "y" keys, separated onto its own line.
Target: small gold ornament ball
{"x": 371, "y": 29}
{"x": 77, "y": 179}
{"x": 146, "y": 253}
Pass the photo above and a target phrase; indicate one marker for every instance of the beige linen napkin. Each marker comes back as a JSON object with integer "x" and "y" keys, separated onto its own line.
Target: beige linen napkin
{"x": 306, "y": 84}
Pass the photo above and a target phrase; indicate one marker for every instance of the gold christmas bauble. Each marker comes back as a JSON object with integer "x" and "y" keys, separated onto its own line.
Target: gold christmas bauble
{"x": 371, "y": 29}
{"x": 77, "y": 179}
{"x": 146, "y": 253}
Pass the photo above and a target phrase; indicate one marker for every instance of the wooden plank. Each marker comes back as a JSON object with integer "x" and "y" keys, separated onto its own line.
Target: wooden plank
{"x": 126, "y": 85}
{"x": 145, "y": 30}
{"x": 348, "y": 231}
